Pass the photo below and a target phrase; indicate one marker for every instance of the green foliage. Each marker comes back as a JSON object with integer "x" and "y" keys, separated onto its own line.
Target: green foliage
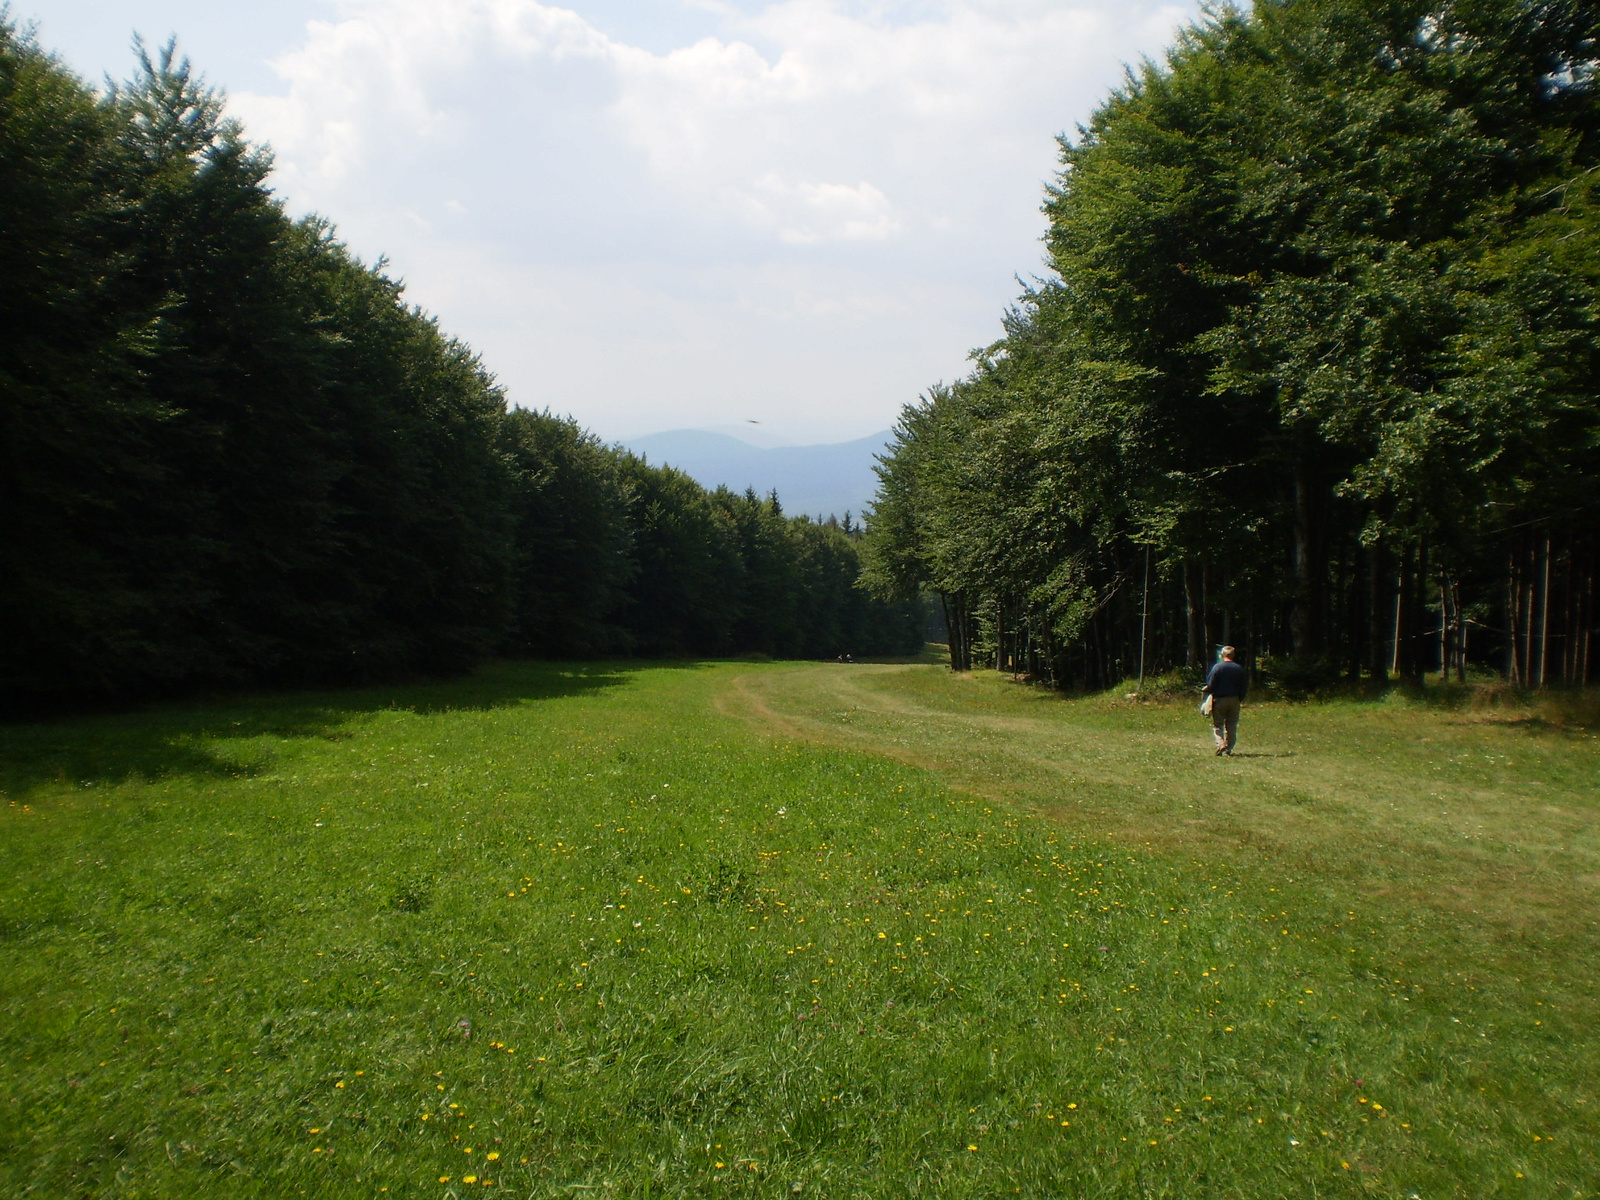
{"x": 234, "y": 454}
{"x": 1298, "y": 677}
{"x": 238, "y": 456}
{"x": 1318, "y": 348}
{"x": 573, "y": 538}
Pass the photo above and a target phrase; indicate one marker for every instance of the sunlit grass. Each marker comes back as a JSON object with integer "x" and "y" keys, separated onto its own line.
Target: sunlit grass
{"x": 728, "y": 930}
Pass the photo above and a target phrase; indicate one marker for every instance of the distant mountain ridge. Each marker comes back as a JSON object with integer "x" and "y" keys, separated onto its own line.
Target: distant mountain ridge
{"x": 824, "y": 480}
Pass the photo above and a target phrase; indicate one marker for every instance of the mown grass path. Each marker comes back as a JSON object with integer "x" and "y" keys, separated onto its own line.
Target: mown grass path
{"x": 778, "y": 929}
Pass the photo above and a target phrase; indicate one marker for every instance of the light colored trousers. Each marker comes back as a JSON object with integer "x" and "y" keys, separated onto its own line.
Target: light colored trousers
{"x": 1225, "y": 720}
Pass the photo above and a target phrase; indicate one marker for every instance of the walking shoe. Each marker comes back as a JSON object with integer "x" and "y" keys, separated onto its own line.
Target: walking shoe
{"x": 1219, "y": 751}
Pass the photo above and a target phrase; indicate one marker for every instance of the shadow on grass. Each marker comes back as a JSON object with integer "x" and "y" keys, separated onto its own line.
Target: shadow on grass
{"x": 212, "y": 737}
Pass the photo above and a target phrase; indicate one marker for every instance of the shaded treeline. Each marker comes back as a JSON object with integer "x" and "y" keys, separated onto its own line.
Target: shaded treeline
{"x": 232, "y": 454}
{"x": 1315, "y": 373}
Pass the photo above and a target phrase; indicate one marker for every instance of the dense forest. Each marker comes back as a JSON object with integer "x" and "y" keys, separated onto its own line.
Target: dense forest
{"x": 1314, "y": 371}
{"x": 233, "y": 455}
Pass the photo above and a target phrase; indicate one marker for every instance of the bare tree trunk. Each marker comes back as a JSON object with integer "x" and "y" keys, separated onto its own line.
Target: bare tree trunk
{"x": 1410, "y": 610}
{"x": 1544, "y": 617}
{"x": 1572, "y": 602}
{"x": 958, "y": 622}
{"x": 1513, "y": 610}
{"x": 1444, "y": 630}
{"x": 1452, "y": 629}
{"x": 1587, "y": 621}
{"x": 1378, "y": 660}
{"x": 1194, "y": 610}
{"x": 1144, "y": 618}
{"x": 1397, "y": 637}
{"x": 1530, "y": 596}
{"x": 1308, "y": 613}
{"x": 1301, "y": 617}
{"x": 1355, "y": 648}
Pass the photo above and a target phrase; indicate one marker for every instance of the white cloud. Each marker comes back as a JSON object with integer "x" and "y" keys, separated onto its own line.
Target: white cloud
{"x": 813, "y": 206}
{"x": 805, "y": 213}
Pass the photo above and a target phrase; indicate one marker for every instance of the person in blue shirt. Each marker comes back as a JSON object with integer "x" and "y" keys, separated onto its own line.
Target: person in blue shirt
{"x": 1226, "y": 684}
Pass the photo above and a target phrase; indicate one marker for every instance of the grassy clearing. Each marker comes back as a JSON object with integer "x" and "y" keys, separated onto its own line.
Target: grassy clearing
{"x": 753, "y": 929}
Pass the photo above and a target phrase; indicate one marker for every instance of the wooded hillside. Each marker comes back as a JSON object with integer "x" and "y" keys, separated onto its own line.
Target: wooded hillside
{"x": 1315, "y": 372}
{"x": 233, "y": 454}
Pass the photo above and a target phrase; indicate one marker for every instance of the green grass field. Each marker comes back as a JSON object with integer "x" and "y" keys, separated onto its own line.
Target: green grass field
{"x": 775, "y": 929}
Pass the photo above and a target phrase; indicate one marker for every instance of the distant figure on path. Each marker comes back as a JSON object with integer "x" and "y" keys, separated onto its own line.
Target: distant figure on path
{"x": 1226, "y": 684}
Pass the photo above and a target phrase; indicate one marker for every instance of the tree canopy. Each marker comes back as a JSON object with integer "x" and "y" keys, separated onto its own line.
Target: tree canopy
{"x": 1314, "y": 371}
{"x": 233, "y": 454}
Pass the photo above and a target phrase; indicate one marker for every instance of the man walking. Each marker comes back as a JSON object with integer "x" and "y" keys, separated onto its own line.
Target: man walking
{"x": 1226, "y": 684}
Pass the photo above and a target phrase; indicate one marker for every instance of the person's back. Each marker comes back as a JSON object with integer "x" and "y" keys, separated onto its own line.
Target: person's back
{"x": 1228, "y": 678}
{"x": 1226, "y": 684}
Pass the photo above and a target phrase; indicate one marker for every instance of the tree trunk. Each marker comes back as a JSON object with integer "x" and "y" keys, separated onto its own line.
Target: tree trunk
{"x": 1380, "y": 653}
{"x": 1513, "y": 622}
{"x": 957, "y": 621}
{"x": 1305, "y": 614}
{"x": 1194, "y": 609}
{"x": 1358, "y": 609}
{"x": 1544, "y": 617}
{"x": 1444, "y": 630}
{"x": 1397, "y": 628}
{"x": 1144, "y": 618}
{"x": 1410, "y": 610}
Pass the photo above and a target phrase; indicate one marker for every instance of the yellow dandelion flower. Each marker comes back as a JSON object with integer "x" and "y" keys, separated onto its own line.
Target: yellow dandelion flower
{"x": 469, "y": 1179}
{"x": 971, "y": 1147}
{"x": 444, "y": 1179}
{"x": 493, "y": 1154}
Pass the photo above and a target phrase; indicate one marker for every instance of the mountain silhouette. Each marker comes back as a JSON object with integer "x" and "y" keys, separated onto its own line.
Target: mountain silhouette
{"x": 822, "y": 481}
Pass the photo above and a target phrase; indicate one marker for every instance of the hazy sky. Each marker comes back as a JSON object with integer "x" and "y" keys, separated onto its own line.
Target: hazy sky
{"x": 669, "y": 213}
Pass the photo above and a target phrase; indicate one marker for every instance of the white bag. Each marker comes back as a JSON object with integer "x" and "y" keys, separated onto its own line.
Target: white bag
{"x": 1205, "y": 706}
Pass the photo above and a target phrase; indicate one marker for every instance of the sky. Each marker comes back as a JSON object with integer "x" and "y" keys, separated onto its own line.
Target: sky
{"x": 784, "y": 220}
